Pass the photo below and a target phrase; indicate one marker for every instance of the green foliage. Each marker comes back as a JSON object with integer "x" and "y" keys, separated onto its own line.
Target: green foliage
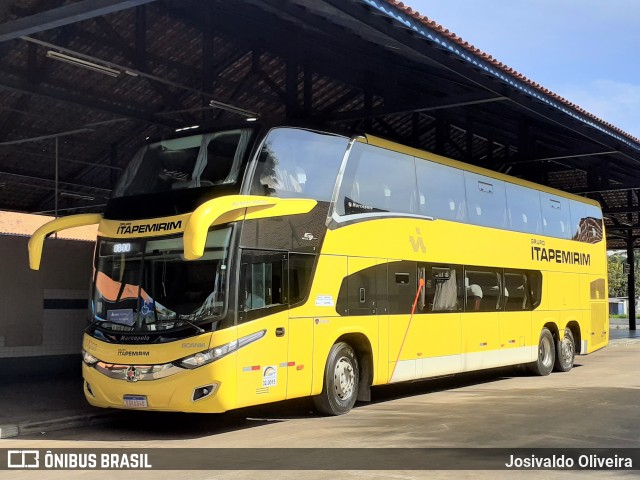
{"x": 618, "y": 279}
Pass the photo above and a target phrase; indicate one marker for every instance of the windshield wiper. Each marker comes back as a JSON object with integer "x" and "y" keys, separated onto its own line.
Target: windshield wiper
{"x": 177, "y": 320}
{"x": 99, "y": 323}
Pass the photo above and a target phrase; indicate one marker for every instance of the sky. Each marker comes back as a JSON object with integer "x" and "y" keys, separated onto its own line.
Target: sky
{"x": 583, "y": 50}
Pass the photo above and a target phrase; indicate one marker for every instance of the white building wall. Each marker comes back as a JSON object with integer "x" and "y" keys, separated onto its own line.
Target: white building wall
{"x": 43, "y": 313}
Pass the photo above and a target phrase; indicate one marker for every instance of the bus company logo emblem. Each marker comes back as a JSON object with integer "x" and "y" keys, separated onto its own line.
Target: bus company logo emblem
{"x": 132, "y": 374}
{"x": 418, "y": 242}
{"x": 308, "y": 236}
{"x": 127, "y": 228}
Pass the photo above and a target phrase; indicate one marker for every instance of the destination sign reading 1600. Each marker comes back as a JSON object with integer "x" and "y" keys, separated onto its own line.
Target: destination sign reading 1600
{"x": 118, "y": 248}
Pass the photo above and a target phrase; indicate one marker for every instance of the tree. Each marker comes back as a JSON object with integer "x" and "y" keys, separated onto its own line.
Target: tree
{"x": 617, "y": 277}
{"x": 618, "y": 280}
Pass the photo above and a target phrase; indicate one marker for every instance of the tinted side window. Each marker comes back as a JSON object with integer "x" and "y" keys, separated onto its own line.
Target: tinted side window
{"x": 441, "y": 191}
{"x": 555, "y": 216}
{"x": 534, "y": 280}
{"x": 484, "y": 290}
{"x": 517, "y": 291}
{"x": 442, "y": 290}
{"x": 300, "y": 276}
{"x": 262, "y": 280}
{"x": 524, "y": 209}
{"x": 486, "y": 201}
{"x": 299, "y": 163}
{"x": 377, "y": 179}
{"x": 402, "y": 286}
{"x": 586, "y": 222}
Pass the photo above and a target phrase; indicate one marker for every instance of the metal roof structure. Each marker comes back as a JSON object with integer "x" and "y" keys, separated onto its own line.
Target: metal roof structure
{"x": 86, "y": 81}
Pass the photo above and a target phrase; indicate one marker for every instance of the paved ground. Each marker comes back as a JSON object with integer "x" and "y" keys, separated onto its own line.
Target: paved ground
{"x": 593, "y": 406}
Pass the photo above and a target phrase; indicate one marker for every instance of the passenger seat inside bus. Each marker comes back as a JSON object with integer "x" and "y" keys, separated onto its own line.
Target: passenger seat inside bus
{"x": 474, "y": 297}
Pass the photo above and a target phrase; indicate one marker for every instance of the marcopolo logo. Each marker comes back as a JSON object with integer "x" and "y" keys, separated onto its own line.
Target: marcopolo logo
{"x": 128, "y": 228}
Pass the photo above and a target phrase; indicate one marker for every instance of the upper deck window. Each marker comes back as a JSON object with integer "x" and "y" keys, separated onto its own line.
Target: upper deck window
{"x": 188, "y": 162}
{"x": 296, "y": 163}
{"x": 378, "y": 180}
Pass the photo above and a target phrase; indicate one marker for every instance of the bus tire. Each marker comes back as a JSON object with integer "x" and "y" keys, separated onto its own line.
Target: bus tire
{"x": 565, "y": 352}
{"x": 546, "y": 354}
{"x": 341, "y": 378}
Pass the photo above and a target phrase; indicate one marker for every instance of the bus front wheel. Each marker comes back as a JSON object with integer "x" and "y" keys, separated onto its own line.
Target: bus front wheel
{"x": 341, "y": 378}
{"x": 565, "y": 352}
{"x": 546, "y": 354}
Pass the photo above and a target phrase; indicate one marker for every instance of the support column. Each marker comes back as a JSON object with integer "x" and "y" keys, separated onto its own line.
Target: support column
{"x": 113, "y": 162}
{"x": 291, "y": 75}
{"x": 368, "y": 110}
{"x": 307, "y": 91}
{"x": 631, "y": 286}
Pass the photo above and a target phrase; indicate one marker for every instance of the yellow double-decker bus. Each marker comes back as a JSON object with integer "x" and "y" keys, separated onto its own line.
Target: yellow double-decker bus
{"x": 249, "y": 265}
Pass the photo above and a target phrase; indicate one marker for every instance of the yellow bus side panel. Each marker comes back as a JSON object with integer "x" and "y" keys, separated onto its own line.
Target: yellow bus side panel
{"x": 483, "y": 339}
{"x": 300, "y": 365}
{"x": 262, "y": 366}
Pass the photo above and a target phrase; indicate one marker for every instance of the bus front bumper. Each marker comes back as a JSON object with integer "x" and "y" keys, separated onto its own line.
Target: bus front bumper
{"x": 187, "y": 391}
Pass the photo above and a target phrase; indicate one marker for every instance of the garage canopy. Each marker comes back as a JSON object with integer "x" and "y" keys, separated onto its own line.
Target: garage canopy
{"x": 83, "y": 83}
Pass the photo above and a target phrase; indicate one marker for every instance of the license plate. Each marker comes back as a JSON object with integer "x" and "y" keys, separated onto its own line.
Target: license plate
{"x": 135, "y": 401}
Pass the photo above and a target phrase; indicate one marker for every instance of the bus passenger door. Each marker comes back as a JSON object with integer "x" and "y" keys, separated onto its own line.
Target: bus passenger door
{"x": 404, "y": 343}
{"x": 439, "y": 307}
{"x": 515, "y": 321}
{"x": 301, "y": 324}
{"x": 481, "y": 320}
{"x": 263, "y": 322}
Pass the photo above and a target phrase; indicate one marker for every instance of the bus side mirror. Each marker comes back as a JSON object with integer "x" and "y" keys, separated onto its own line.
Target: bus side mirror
{"x": 232, "y": 208}
{"x": 36, "y": 242}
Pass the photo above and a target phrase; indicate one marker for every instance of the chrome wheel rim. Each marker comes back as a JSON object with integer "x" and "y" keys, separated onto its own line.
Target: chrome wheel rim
{"x": 344, "y": 378}
{"x": 567, "y": 350}
{"x": 544, "y": 352}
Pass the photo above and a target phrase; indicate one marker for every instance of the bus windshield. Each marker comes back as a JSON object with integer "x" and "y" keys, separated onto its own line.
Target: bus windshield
{"x": 187, "y": 162}
{"x": 146, "y": 285}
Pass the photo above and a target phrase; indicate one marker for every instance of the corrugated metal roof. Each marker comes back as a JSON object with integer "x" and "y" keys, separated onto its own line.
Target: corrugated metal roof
{"x": 373, "y": 66}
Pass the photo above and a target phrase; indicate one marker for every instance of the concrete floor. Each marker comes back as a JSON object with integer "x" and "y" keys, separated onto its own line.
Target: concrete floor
{"x": 596, "y": 405}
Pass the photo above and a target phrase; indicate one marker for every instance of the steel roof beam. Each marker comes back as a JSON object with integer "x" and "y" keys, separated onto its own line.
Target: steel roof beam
{"x": 58, "y": 17}
{"x": 49, "y": 180}
{"x": 621, "y": 210}
{"x": 566, "y": 156}
{"x": 609, "y": 188}
{"x": 582, "y": 124}
{"x": 137, "y": 56}
{"x": 456, "y": 101}
{"x": 77, "y": 98}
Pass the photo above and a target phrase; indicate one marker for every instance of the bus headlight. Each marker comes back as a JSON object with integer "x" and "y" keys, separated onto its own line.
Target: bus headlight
{"x": 89, "y": 359}
{"x": 208, "y": 356}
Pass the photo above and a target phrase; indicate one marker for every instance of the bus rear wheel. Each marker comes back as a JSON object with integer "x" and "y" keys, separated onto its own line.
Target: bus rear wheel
{"x": 565, "y": 352}
{"x": 341, "y": 380}
{"x": 546, "y": 354}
